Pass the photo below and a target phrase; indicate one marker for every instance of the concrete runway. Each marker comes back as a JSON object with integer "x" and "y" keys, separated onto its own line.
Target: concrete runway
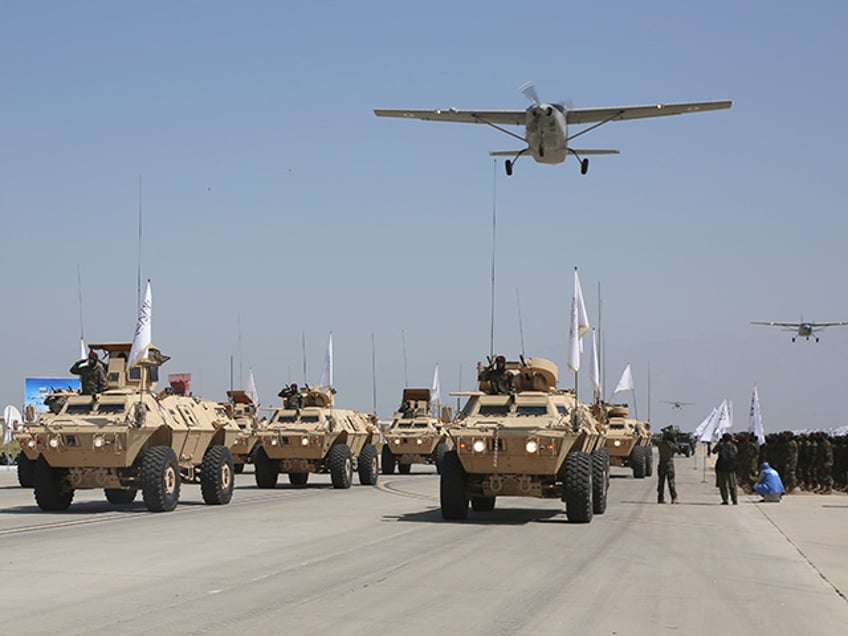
{"x": 315, "y": 560}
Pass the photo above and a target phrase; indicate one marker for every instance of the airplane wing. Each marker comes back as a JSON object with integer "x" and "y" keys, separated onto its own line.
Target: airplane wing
{"x": 512, "y": 153}
{"x": 828, "y": 324}
{"x": 778, "y": 324}
{"x": 592, "y": 115}
{"x": 502, "y": 117}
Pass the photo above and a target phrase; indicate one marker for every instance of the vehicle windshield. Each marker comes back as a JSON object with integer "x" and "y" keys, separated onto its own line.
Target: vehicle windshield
{"x": 528, "y": 409}
{"x": 109, "y": 409}
{"x": 494, "y": 409}
{"x": 79, "y": 409}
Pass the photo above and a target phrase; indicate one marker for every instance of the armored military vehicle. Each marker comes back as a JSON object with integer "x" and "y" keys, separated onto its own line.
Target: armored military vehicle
{"x": 244, "y": 412}
{"x": 535, "y": 441}
{"x": 686, "y": 442}
{"x": 414, "y": 436}
{"x": 628, "y": 440}
{"x": 309, "y": 435}
{"x": 131, "y": 438}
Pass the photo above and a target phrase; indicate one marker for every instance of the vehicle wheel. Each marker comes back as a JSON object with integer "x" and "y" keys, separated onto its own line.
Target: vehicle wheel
{"x": 483, "y": 504}
{"x": 368, "y": 471}
{"x": 52, "y": 490}
{"x": 508, "y": 166}
{"x": 404, "y": 469}
{"x": 578, "y": 487}
{"x": 441, "y": 449}
{"x": 600, "y": 480}
{"x": 341, "y": 466}
{"x": 637, "y": 462}
{"x": 452, "y": 495}
{"x": 160, "y": 479}
{"x": 216, "y": 476}
{"x": 584, "y": 166}
{"x": 298, "y": 479}
{"x": 648, "y": 454}
{"x": 26, "y": 471}
{"x": 265, "y": 470}
{"x": 119, "y": 496}
{"x": 238, "y": 469}
{"x": 387, "y": 460}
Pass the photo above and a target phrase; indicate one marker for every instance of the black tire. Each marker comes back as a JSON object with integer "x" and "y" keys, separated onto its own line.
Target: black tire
{"x": 648, "y": 454}
{"x": 483, "y": 504}
{"x": 404, "y": 469}
{"x": 600, "y": 480}
{"x": 160, "y": 479}
{"x": 341, "y": 465}
{"x": 441, "y": 449}
{"x": 298, "y": 479}
{"x": 238, "y": 469}
{"x": 265, "y": 470}
{"x": 217, "y": 476}
{"x": 637, "y": 462}
{"x": 387, "y": 460}
{"x": 119, "y": 496}
{"x": 26, "y": 471}
{"x": 578, "y": 487}
{"x": 52, "y": 491}
{"x": 369, "y": 472}
{"x": 452, "y": 496}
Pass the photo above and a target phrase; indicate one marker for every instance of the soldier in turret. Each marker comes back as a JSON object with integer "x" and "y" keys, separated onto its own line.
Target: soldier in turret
{"x": 292, "y": 397}
{"x": 499, "y": 378}
{"x": 406, "y": 410}
{"x": 92, "y": 374}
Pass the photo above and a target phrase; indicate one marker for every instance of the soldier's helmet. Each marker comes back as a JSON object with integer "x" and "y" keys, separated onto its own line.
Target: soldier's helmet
{"x": 93, "y": 354}
{"x": 500, "y": 361}
{"x": 293, "y": 386}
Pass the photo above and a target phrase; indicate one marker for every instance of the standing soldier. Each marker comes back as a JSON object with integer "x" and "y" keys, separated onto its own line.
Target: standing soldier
{"x": 825, "y": 464}
{"x": 791, "y": 479}
{"x": 92, "y": 374}
{"x": 813, "y": 456}
{"x": 743, "y": 476}
{"x": 726, "y": 468}
{"x": 665, "y": 468}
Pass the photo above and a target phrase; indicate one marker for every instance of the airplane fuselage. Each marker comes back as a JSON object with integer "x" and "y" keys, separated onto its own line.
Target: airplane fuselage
{"x": 805, "y": 329}
{"x": 547, "y": 133}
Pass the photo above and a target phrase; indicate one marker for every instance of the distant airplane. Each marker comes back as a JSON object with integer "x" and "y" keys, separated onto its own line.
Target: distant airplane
{"x": 802, "y": 329}
{"x": 546, "y": 124}
{"x": 678, "y": 405}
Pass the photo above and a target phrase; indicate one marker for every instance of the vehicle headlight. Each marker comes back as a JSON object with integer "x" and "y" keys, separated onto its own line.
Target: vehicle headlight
{"x": 419, "y": 441}
{"x": 273, "y": 441}
{"x": 397, "y": 440}
{"x": 31, "y": 443}
{"x": 98, "y": 441}
{"x": 532, "y": 446}
{"x": 479, "y": 446}
{"x": 54, "y": 442}
{"x": 617, "y": 442}
{"x": 304, "y": 441}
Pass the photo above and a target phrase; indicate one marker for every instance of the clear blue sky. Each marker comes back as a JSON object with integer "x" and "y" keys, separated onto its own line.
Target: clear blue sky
{"x": 273, "y": 196}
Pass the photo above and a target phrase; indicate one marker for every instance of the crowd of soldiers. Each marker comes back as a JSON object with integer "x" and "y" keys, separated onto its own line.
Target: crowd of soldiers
{"x": 813, "y": 462}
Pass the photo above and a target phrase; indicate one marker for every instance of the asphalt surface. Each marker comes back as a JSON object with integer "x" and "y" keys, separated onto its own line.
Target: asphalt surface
{"x": 315, "y": 560}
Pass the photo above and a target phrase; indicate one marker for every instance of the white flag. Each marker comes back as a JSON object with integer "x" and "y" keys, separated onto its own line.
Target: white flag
{"x": 723, "y": 422}
{"x": 626, "y": 381}
{"x": 142, "y": 339}
{"x": 327, "y": 371}
{"x": 756, "y": 423}
{"x": 594, "y": 369}
{"x": 704, "y": 428}
{"x": 578, "y": 326}
{"x": 251, "y": 389}
{"x": 83, "y": 353}
{"x": 12, "y": 421}
{"x": 436, "y": 391}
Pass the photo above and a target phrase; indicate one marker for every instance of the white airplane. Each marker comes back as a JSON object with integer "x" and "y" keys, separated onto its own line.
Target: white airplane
{"x": 678, "y": 405}
{"x": 802, "y": 329}
{"x": 546, "y": 124}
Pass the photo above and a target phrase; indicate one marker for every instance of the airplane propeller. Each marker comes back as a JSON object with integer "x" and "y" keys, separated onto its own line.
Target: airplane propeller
{"x": 529, "y": 91}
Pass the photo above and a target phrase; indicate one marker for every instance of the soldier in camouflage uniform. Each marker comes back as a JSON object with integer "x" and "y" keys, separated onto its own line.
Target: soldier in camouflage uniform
{"x": 499, "y": 378}
{"x": 92, "y": 374}
{"x": 813, "y": 458}
{"x": 743, "y": 478}
{"x": 665, "y": 468}
{"x": 840, "y": 465}
{"x": 824, "y": 464}
{"x": 790, "y": 481}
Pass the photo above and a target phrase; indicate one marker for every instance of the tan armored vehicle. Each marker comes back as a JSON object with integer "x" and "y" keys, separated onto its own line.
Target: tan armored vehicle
{"x": 536, "y": 441}
{"x": 244, "y": 412}
{"x": 309, "y": 435}
{"x": 628, "y": 440}
{"x": 130, "y": 438}
{"x": 414, "y": 436}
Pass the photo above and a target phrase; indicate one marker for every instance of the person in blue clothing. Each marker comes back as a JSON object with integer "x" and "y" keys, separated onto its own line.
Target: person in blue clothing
{"x": 769, "y": 485}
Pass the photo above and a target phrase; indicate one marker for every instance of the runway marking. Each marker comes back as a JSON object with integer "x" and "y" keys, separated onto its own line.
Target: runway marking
{"x": 386, "y": 486}
{"x": 63, "y": 524}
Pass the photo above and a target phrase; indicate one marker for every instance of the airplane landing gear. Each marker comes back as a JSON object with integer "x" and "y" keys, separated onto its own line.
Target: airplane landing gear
{"x": 508, "y": 166}
{"x": 584, "y": 166}
{"x": 793, "y": 339}
{"x": 817, "y": 339}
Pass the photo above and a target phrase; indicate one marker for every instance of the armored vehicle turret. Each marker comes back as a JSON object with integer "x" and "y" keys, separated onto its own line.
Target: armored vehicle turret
{"x": 309, "y": 435}
{"x": 130, "y": 438}
{"x": 628, "y": 440}
{"x": 414, "y": 436}
{"x": 531, "y": 441}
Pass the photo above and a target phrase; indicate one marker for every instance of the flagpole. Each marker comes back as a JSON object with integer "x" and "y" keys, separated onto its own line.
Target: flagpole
{"x": 494, "y": 227}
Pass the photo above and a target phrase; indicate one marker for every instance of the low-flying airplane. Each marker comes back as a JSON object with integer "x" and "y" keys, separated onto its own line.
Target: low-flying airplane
{"x": 802, "y": 329}
{"x": 546, "y": 124}
{"x": 678, "y": 405}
